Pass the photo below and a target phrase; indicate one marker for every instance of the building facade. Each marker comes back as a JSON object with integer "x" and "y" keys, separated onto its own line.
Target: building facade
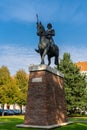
{"x": 82, "y": 66}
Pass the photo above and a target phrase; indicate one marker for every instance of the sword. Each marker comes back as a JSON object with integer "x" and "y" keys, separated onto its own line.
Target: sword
{"x": 37, "y": 18}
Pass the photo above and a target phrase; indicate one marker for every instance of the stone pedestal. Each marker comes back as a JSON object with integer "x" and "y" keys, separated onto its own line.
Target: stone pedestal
{"x": 46, "y": 105}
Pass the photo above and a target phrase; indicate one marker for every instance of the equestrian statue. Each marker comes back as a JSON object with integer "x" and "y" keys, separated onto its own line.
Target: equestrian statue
{"x": 46, "y": 44}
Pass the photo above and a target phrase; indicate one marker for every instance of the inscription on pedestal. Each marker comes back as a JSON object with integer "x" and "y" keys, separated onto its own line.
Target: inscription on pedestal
{"x": 37, "y": 79}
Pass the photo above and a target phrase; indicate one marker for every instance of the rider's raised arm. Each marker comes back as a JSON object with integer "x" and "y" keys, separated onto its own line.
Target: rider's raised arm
{"x": 37, "y": 19}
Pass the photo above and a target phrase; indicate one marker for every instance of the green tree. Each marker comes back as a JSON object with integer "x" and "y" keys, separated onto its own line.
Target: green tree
{"x": 4, "y": 80}
{"x": 8, "y": 89}
{"x": 22, "y": 83}
{"x": 4, "y": 75}
{"x": 74, "y": 83}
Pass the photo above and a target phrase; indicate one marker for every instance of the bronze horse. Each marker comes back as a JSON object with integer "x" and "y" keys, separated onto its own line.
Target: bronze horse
{"x": 45, "y": 48}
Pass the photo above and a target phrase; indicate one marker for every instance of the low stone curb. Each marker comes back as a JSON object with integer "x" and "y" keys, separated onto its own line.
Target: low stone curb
{"x": 80, "y": 121}
{"x": 44, "y": 127}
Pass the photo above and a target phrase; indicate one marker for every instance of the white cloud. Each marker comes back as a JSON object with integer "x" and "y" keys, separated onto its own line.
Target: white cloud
{"x": 17, "y": 10}
{"x": 60, "y": 11}
{"x": 16, "y": 58}
{"x": 78, "y": 53}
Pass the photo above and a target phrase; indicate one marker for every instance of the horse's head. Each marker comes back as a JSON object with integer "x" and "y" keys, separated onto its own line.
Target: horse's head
{"x": 40, "y": 29}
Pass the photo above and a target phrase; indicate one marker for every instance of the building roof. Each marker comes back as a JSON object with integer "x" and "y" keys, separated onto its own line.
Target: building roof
{"x": 82, "y": 65}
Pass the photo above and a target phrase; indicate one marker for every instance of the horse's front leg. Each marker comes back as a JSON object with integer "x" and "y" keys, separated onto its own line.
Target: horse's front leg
{"x": 57, "y": 61}
{"x": 43, "y": 56}
{"x": 49, "y": 60}
{"x": 42, "y": 60}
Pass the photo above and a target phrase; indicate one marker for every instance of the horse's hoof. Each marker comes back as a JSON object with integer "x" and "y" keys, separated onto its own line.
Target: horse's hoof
{"x": 42, "y": 63}
{"x": 37, "y": 51}
{"x": 48, "y": 64}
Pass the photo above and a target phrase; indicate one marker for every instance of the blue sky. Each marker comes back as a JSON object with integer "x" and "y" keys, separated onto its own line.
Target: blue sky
{"x": 18, "y": 37}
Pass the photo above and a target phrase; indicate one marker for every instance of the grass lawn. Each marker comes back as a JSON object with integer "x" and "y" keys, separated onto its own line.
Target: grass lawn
{"x": 10, "y": 122}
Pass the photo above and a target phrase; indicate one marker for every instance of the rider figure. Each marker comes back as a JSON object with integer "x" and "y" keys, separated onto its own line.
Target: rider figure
{"x": 49, "y": 33}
